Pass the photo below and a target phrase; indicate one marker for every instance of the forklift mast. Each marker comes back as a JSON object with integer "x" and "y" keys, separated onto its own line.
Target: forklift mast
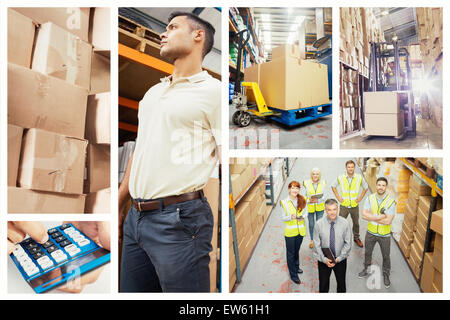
{"x": 241, "y": 38}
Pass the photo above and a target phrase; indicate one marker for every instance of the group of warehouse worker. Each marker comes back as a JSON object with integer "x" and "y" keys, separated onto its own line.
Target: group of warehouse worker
{"x": 331, "y": 235}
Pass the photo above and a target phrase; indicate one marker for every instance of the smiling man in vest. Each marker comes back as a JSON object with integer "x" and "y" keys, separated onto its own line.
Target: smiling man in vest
{"x": 167, "y": 232}
{"x": 349, "y": 189}
{"x": 379, "y": 211}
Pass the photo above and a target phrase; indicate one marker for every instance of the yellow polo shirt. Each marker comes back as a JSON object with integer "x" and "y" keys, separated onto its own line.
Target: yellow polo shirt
{"x": 179, "y": 130}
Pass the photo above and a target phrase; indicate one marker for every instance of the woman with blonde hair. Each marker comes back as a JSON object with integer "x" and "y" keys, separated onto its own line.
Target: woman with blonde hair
{"x": 315, "y": 199}
{"x": 293, "y": 215}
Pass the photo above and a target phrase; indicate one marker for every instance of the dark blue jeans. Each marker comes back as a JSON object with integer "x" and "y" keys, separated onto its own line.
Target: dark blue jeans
{"x": 293, "y": 245}
{"x": 167, "y": 250}
{"x": 312, "y": 218}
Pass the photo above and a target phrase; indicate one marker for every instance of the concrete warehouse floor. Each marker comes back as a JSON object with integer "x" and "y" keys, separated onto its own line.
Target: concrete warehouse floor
{"x": 267, "y": 269}
{"x": 262, "y": 134}
{"x": 428, "y": 137}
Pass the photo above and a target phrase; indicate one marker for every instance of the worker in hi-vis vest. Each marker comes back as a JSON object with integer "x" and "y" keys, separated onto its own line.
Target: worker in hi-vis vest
{"x": 293, "y": 215}
{"x": 315, "y": 200}
{"x": 379, "y": 211}
{"x": 349, "y": 189}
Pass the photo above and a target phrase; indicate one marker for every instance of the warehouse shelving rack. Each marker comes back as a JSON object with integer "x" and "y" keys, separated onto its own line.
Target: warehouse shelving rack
{"x": 287, "y": 166}
{"x": 435, "y": 192}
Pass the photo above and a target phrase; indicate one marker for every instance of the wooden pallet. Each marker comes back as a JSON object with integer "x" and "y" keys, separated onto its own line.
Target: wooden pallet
{"x": 422, "y": 166}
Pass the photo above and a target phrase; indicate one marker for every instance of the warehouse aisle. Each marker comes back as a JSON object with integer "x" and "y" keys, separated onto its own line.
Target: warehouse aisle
{"x": 428, "y": 137}
{"x": 261, "y": 134}
{"x": 267, "y": 269}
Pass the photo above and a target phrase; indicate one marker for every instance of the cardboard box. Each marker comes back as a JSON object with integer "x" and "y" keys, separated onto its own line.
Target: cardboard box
{"x": 48, "y": 103}
{"x": 100, "y": 74}
{"x": 384, "y": 124}
{"x": 99, "y": 28}
{"x": 437, "y": 221}
{"x": 437, "y": 281}
{"x": 427, "y": 274}
{"x": 252, "y": 198}
{"x": 20, "y": 38}
{"x": 410, "y": 214}
{"x": 286, "y": 51}
{"x": 98, "y": 169}
{"x": 252, "y": 73}
{"x": 405, "y": 246}
{"x": 408, "y": 230}
{"x": 418, "y": 186}
{"x": 236, "y": 188}
{"x": 98, "y": 202}
{"x": 14, "y": 146}
{"x": 437, "y": 259}
{"x": 289, "y": 83}
{"x": 237, "y": 168}
{"x": 29, "y": 201}
{"x": 60, "y": 54}
{"x": 52, "y": 162}
{"x": 98, "y": 118}
{"x": 74, "y": 20}
{"x": 213, "y": 271}
{"x": 424, "y": 204}
{"x": 242, "y": 218}
{"x": 381, "y": 102}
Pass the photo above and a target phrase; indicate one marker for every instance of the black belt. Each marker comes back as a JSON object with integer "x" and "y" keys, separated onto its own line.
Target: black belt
{"x": 150, "y": 205}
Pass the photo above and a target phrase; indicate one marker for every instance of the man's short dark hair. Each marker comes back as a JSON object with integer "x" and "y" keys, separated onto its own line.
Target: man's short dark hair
{"x": 350, "y": 161}
{"x": 198, "y": 23}
{"x": 382, "y": 179}
{"x": 329, "y": 202}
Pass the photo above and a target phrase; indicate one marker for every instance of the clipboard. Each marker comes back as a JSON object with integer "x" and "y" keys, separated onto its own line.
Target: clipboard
{"x": 328, "y": 254}
{"x": 317, "y": 196}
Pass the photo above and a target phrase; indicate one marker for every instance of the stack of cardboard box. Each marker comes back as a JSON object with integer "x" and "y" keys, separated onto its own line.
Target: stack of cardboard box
{"x": 358, "y": 27}
{"x": 429, "y": 27}
{"x": 432, "y": 267}
{"x": 289, "y": 82}
{"x": 49, "y": 81}
{"x": 350, "y": 100}
{"x": 251, "y": 213}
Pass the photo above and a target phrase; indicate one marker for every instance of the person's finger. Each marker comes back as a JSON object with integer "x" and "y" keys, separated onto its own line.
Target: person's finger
{"x": 104, "y": 232}
{"x": 77, "y": 285}
{"x": 15, "y": 235}
{"x": 11, "y": 247}
{"x": 35, "y": 229}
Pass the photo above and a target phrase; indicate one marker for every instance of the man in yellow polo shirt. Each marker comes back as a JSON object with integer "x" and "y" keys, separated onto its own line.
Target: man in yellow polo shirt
{"x": 379, "y": 211}
{"x": 167, "y": 232}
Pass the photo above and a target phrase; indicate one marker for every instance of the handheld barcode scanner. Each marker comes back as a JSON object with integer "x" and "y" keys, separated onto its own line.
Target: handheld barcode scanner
{"x": 67, "y": 254}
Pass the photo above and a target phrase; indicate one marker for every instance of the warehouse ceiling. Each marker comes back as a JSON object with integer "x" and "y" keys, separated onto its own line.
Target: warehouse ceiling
{"x": 399, "y": 22}
{"x": 276, "y": 26}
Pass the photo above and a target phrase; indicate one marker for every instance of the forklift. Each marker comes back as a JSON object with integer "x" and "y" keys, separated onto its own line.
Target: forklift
{"x": 244, "y": 113}
{"x": 378, "y": 81}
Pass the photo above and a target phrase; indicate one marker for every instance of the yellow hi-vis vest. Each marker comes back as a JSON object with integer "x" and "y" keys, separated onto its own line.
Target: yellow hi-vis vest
{"x": 349, "y": 192}
{"x": 313, "y": 207}
{"x": 380, "y": 229}
{"x": 292, "y": 227}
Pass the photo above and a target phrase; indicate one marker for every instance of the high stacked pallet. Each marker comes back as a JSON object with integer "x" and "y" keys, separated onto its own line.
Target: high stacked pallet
{"x": 251, "y": 213}
{"x": 429, "y": 27}
{"x": 432, "y": 267}
{"x": 50, "y": 76}
{"x": 350, "y": 100}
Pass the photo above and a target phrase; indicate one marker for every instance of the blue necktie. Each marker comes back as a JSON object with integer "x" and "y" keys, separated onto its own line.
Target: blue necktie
{"x": 332, "y": 241}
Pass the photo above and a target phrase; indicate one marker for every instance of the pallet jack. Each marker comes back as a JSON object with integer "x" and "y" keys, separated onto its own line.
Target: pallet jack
{"x": 379, "y": 83}
{"x": 244, "y": 113}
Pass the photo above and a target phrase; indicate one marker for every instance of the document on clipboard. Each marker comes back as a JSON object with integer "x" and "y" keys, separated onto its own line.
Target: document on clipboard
{"x": 327, "y": 252}
{"x": 317, "y": 196}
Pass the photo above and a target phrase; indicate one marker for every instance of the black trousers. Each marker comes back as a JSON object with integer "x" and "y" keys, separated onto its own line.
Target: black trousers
{"x": 293, "y": 245}
{"x": 339, "y": 270}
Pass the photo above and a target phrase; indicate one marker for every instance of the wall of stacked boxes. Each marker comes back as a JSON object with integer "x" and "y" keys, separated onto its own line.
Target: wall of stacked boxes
{"x": 417, "y": 228}
{"x": 58, "y": 110}
{"x": 255, "y": 185}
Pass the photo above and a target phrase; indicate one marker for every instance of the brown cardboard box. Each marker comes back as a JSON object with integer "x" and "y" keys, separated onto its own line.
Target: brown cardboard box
{"x": 438, "y": 242}
{"x": 38, "y": 101}
{"x": 437, "y": 259}
{"x": 100, "y": 74}
{"x": 98, "y": 116}
{"x": 405, "y": 246}
{"x": 236, "y": 188}
{"x": 416, "y": 255}
{"x": 213, "y": 271}
{"x": 98, "y": 202}
{"x": 60, "y": 54}
{"x": 384, "y": 124}
{"x": 252, "y": 198}
{"x": 99, "y": 28}
{"x": 29, "y": 201}
{"x": 289, "y": 83}
{"x": 14, "y": 146}
{"x": 413, "y": 199}
{"x": 437, "y": 221}
{"x": 237, "y": 168}
{"x": 252, "y": 73}
{"x": 419, "y": 244}
{"x": 418, "y": 186}
{"x": 437, "y": 280}
{"x": 286, "y": 51}
{"x": 410, "y": 215}
{"x": 74, "y": 20}
{"x": 424, "y": 204}
{"x": 427, "y": 274}
{"x": 408, "y": 230}
{"x": 381, "y": 102}
{"x": 20, "y": 38}
{"x": 98, "y": 169}
{"x": 242, "y": 220}
{"x": 52, "y": 162}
